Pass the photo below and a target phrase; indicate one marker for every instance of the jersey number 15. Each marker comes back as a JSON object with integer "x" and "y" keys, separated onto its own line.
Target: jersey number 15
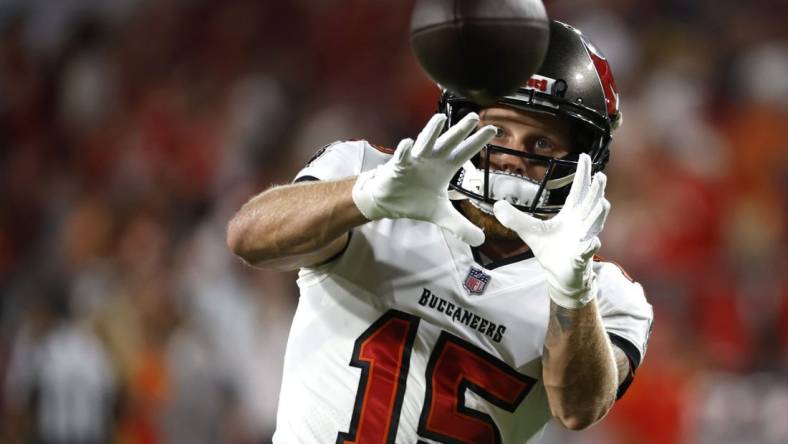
{"x": 382, "y": 353}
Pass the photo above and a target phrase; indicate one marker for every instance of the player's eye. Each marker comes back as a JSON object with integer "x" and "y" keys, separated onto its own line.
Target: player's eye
{"x": 543, "y": 145}
{"x": 499, "y": 132}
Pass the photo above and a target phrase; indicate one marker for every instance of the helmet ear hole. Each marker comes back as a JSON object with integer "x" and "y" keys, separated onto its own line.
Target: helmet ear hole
{"x": 582, "y": 141}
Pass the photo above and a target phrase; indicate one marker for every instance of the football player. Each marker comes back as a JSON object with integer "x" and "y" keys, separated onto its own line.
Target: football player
{"x": 450, "y": 291}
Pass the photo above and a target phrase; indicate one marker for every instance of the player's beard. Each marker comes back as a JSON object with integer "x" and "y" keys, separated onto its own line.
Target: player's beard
{"x": 493, "y": 230}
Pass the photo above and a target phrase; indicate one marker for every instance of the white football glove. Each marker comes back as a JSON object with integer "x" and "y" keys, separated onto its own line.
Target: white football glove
{"x": 414, "y": 183}
{"x": 566, "y": 244}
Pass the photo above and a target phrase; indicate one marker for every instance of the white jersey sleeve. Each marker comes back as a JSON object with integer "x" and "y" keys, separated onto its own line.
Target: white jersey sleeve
{"x": 625, "y": 312}
{"x": 343, "y": 159}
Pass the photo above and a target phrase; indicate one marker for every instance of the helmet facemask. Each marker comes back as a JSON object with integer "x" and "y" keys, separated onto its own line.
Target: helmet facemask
{"x": 482, "y": 184}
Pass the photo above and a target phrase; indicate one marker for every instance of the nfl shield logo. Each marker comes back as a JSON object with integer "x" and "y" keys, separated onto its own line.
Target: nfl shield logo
{"x": 476, "y": 281}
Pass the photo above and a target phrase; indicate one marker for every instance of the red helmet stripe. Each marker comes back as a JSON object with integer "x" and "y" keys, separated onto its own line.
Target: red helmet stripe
{"x": 606, "y": 77}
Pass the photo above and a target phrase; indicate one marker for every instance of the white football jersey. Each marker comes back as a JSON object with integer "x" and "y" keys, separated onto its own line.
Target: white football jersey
{"x": 406, "y": 338}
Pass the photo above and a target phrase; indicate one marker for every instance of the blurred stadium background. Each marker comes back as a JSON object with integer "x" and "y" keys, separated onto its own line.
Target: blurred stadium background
{"x": 130, "y": 130}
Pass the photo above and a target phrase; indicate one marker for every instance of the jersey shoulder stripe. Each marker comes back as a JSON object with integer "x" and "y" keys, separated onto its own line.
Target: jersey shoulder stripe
{"x": 598, "y": 258}
{"x": 343, "y": 159}
{"x": 381, "y": 148}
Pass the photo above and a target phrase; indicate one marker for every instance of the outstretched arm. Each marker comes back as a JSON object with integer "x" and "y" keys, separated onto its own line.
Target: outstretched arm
{"x": 579, "y": 365}
{"x": 294, "y": 226}
{"x": 303, "y": 225}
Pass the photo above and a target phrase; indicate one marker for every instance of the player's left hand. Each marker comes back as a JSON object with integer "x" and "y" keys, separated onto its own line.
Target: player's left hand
{"x": 566, "y": 244}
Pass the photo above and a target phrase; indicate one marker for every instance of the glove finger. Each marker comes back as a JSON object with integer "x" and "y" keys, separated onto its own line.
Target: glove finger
{"x": 428, "y": 135}
{"x": 580, "y": 183}
{"x": 595, "y": 195}
{"x": 514, "y": 219}
{"x": 472, "y": 145}
{"x": 593, "y": 246}
{"x": 599, "y": 221}
{"x": 596, "y": 220}
{"x": 448, "y": 217}
{"x": 456, "y": 134}
{"x": 402, "y": 153}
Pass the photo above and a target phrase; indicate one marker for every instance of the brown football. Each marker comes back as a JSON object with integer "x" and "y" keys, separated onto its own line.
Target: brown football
{"x": 479, "y": 49}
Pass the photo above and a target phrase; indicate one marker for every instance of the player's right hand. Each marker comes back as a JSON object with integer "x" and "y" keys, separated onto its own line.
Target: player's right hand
{"x": 565, "y": 245}
{"x": 414, "y": 183}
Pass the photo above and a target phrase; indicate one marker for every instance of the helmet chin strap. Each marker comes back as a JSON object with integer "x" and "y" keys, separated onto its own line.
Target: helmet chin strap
{"x": 513, "y": 188}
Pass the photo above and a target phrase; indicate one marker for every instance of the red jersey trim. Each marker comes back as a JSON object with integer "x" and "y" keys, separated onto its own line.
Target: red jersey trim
{"x": 381, "y": 148}
{"x": 598, "y": 258}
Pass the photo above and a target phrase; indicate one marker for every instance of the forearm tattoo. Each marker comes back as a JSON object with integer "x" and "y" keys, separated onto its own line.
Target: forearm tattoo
{"x": 579, "y": 369}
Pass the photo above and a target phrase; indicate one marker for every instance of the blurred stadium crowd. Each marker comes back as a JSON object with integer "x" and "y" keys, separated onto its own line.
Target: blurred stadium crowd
{"x": 130, "y": 130}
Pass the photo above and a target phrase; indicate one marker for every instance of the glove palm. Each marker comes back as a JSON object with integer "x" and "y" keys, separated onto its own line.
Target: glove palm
{"x": 566, "y": 244}
{"x": 414, "y": 183}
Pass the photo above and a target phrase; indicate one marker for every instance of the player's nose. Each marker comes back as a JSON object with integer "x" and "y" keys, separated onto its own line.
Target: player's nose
{"x": 508, "y": 163}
